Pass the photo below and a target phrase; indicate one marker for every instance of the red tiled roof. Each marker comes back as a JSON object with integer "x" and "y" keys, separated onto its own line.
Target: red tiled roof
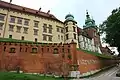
{"x": 28, "y": 10}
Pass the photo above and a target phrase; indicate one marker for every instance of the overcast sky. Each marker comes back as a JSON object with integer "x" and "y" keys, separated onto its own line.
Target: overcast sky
{"x": 98, "y": 9}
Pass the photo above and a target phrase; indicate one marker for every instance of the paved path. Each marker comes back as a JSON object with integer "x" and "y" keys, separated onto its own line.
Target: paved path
{"x": 105, "y": 75}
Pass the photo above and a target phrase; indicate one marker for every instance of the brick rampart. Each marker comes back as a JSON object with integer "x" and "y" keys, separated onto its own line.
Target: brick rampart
{"x": 48, "y": 58}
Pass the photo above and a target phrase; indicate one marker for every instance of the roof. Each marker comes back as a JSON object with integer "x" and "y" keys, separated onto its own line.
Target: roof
{"x": 83, "y": 33}
{"x": 28, "y": 10}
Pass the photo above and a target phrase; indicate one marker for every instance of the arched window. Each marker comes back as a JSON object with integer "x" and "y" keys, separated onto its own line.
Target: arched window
{"x": 12, "y": 50}
{"x": 34, "y": 50}
{"x": 55, "y": 51}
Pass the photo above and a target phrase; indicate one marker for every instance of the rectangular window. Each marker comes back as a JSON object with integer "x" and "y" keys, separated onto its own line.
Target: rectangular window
{"x": 74, "y": 36}
{"x": 22, "y": 38}
{"x": 25, "y": 30}
{"x": 50, "y": 28}
{"x": 12, "y": 19}
{"x": 66, "y": 36}
{"x": 66, "y": 29}
{"x": 1, "y": 26}
{"x": 74, "y": 29}
{"x": 35, "y": 39}
{"x": 61, "y": 37}
{"x": 10, "y": 36}
{"x": 11, "y": 28}
{"x": 58, "y": 29}
{"x": 19, "y": 21}
{"x": 19, "y": 29}
{"x": 36, "y": 23}
{"x": 49, "y": 38}
{"x": 62, "y": 30}
{"x": 26, "y": 22}
{"x": 35, "y": 31}
{"x": 58, "y": 36}
{"x": 45, "y": 28}
{"x": 2, "y": 17}
{"x": 44, "y": 37}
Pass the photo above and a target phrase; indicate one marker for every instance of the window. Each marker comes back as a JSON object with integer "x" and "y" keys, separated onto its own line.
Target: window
{"x": 12, "y": 19}
{"x": 26, "y": 22}
{"x": 1, "y": 26}
{"x": 66, "y": 36}
{"x": 18, "y": 29}
{"x": 74, "y": 29}
{"x": 58, "y": 36}
{"x": 12, "y": 50}
{"x": 35, "y": 31}
{"x": 34, "y": 50}
{"x": 55, "y": 51}
{"x": 10, "y": 36}
{"x": 74, "y": 36}
{"x": 19, "y": 21}
{"x": 36, "y": 23}
{"x": 49, "y": 38}
{"x": 44, "y": 37}
{"x": 45, "y": 28}
{"x": 50, "y": 28}
{"x": 66, "y": 29}
{"x": 22, "y": 38}
{"x": 2, "y": 16}
{"x": 35, "y": 39}
{"x": 62, "y": 30}
{"x": 61, "y": 37}
{"x": 11, "y": 27}
{"x": 58, "y": 29}
{"x": 25, "y": 30}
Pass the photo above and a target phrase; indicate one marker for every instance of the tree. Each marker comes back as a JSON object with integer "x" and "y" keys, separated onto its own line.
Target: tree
{"x": 111, "y": 28}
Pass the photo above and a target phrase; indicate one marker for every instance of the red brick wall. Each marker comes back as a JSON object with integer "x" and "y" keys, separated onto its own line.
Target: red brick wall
{"x": 45, "y": 61}
{"x": 88, "y": 62}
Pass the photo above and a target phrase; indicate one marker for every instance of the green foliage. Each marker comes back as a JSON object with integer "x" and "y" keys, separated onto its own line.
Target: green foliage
{"x": 15, "y": 76}
{"x": 69, "y": 56}
{"x": 111, "y": 28}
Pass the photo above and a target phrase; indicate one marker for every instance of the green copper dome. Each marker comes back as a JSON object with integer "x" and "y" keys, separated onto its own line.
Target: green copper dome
{"x": 69, "y": 17}
{"x": 89, "y": 22}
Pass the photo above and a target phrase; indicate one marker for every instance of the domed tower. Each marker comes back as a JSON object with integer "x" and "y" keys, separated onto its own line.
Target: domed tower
{"x": 89, "y": 22}
{"x": 70, "y": 29}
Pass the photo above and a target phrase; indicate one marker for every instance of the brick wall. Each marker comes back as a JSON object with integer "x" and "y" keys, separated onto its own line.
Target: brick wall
{"x": 48, "y": 58}
{"x": 88, "y": 62}
{"x": 36, "y": 58}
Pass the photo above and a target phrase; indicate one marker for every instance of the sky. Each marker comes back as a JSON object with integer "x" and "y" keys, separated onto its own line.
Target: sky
{"x": 98, "y": 9}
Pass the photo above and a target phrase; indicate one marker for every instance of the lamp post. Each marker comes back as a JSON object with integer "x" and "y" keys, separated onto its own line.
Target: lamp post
{"x": 6, "y": 20}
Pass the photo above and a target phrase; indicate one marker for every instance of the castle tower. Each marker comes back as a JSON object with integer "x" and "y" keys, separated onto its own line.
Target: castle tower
{"x": 92, "y": 30}
{"x": 70, "y": 29}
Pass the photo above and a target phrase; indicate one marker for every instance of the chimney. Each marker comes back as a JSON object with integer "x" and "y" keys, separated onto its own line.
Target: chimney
{"x": 48, "y": 11}
{"x": 39, "y": 9}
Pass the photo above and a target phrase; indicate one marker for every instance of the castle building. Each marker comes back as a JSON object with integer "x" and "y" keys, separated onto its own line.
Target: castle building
{"x": 88, "y": 37}
{"x": 18, "y": 22}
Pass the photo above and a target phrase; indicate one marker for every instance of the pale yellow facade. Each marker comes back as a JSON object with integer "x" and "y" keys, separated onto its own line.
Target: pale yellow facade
{"x": 23, "y": 23}
{"x": 57, "y": 37}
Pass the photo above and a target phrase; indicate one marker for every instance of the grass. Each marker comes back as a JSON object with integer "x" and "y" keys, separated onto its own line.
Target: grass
{"x": 15, "y": 40}
{"x": 21, "y": 76}
{"x": 96, "y": 54}
{"x": 20, "y": 41}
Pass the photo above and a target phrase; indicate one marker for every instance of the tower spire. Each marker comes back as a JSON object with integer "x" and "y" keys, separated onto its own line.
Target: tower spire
{"x": 87, "y": 14}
